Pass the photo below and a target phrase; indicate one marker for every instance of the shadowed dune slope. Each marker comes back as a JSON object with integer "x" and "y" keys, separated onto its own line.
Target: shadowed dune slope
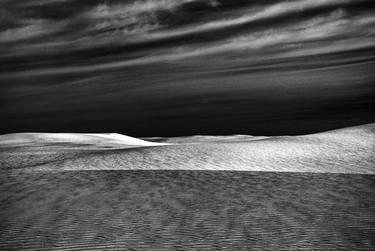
{"x": 349, "y": 150}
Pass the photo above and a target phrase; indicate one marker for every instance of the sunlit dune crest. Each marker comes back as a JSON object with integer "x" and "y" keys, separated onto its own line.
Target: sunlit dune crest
{"x": 95, "y": 139}
{"x": 349, "y": 150}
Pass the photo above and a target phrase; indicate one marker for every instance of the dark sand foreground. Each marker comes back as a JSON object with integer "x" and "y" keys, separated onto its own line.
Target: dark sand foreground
{"x": 200, "y": 193}
{"x": 186, "y": 210}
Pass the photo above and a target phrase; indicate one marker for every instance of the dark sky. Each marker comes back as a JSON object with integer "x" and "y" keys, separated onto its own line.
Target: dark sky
{"x": 185, "y": 67}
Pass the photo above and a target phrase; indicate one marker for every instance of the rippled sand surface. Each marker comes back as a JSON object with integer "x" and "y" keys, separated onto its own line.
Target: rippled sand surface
{"x": 186, "y": 210}
{"x": 197, "y": 193}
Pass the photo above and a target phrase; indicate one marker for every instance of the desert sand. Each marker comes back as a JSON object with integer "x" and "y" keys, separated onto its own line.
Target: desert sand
{"x": 239, "y": 192}
{"x": 349, "y": 150}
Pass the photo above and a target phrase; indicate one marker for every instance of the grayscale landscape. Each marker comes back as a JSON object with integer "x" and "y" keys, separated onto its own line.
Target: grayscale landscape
{"x": 187, "y": 125}
{"x": 113, "y": 192}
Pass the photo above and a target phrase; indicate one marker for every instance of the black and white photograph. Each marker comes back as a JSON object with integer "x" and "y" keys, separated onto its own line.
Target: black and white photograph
{"x": 187, "y": 125}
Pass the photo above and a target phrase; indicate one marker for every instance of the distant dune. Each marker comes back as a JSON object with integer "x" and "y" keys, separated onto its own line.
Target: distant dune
{"x": 205, "y": 139}
{"x": 348, "y": 150}
{"x": 89, "y": 139}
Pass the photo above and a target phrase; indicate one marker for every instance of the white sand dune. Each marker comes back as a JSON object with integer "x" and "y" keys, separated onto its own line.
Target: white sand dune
{"x": 112, "y": 192}
{"x": 349, "y": 150}
{"x": 196, "y": 139}
{"x": 96, "y": 139}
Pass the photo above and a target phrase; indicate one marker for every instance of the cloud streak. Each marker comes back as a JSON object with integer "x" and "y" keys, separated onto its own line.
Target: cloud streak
{"x": 113, "y": 34}
{"x": 165, "y": 67}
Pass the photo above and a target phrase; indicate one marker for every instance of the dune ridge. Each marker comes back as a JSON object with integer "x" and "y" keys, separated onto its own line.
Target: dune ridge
{"x": 96, "y": 139}
{"x": 348, "y": 150}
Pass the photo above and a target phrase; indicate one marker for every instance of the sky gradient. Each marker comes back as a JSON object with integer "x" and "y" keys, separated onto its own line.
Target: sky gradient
{"x": 173, "y": 68}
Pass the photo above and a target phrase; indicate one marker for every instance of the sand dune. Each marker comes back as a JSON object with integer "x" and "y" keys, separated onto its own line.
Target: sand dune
{"x": 349, "y": 150}
{"x": 113, "y": 192}
{"x": 204, "y": 139}
{"x": 95, "y": 139}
